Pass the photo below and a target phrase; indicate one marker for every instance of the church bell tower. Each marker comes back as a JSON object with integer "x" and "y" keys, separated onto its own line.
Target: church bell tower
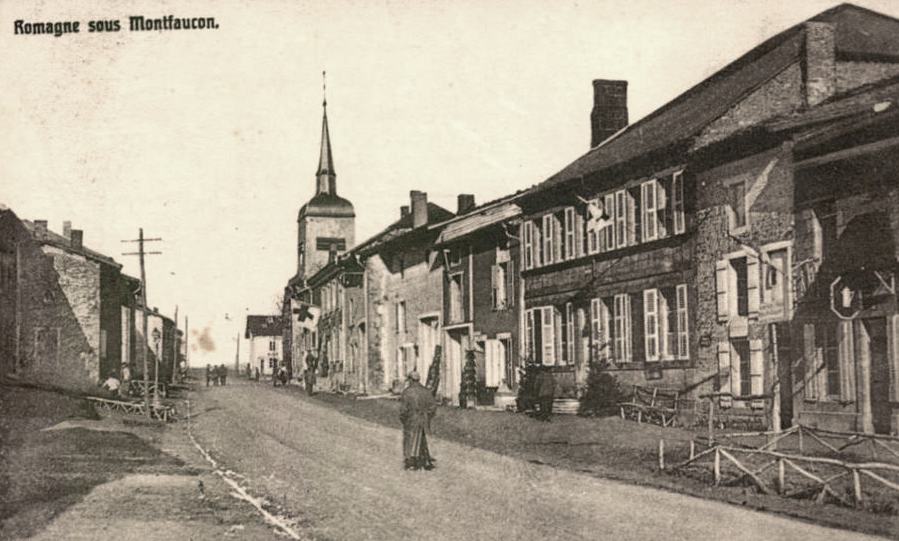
{"x": 326, "y": 224}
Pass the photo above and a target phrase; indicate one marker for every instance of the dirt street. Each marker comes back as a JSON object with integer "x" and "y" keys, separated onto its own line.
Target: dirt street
{"x": 338, "y": 477}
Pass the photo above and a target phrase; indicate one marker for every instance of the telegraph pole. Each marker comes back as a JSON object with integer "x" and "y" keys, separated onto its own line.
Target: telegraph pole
{"x": 175, "y": 347}
{"x": 237, "y": 356}
{"x": 143, "y": 294}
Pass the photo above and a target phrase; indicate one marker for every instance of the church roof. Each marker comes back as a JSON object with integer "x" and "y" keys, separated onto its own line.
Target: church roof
{"x": 325, "y": 160}
{"x": 327, "y": 205}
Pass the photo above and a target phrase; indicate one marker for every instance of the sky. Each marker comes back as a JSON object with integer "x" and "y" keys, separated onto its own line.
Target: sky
{"x": 210, "y": 139}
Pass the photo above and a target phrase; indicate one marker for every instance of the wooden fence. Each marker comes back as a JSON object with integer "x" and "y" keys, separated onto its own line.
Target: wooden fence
{"x": 791, "y": 473}
{"x": 161, "y": 413}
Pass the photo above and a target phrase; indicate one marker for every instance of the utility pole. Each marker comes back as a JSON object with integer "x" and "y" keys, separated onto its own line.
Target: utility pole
{"x": 237, "y": 356}
{"x": 187, "y": 340}
{"x": 175, "y": 347}
{"x": 143, "y": 294}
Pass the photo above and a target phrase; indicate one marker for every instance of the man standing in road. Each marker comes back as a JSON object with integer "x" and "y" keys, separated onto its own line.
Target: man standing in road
{"x": 545, "y": 389}
{"x": 208, "y": 374}
{"x": 309, "y": 374}
{"x": 417, "y": 407}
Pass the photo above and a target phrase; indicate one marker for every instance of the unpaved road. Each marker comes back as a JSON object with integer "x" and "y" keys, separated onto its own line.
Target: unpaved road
{"x": 340, "y": 477}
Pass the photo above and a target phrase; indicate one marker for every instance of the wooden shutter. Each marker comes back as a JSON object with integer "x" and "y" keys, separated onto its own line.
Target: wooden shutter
{"x": 633, "y": 236}
{"x": 548, "y": 335}
{"x": 846, "y": 354}
{"x": 525, "y": 244}
{"x": 683, "y": 324}
{"x": 752, "y": 284}
{"x": 661, "y": 209}
{"x": 578, "y": 234}
{"x": 677, "y": 203}
{"x": 530, "y": 350}
{"x": 756, "y": 367}
{"x": 651, "y": 324}
{"x": 510, "y": 287}
{"x": 722, "y": 269}
{"x": 608, "y": 232}
{"x": 724, "y": 370}
{"x": 596, "y": 334}
{"x": 810, "y": 360}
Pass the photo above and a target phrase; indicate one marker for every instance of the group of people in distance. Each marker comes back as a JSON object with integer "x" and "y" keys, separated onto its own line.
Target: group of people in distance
{"x": 217, "y": 375}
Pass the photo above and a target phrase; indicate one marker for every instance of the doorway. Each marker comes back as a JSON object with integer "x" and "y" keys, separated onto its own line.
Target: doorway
{"x": 880, "y": 374}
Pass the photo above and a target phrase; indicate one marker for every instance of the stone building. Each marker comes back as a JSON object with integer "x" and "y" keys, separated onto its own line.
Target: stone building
{"x": 666, "y": 251}
{"x": 63, "y": 304}
{"x": 479, "y": 254}
{"x": 402, "y": 287}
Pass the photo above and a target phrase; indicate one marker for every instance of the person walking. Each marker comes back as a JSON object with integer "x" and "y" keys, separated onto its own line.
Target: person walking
{"x": 309, "y": 374}
{"x": 545, "y": 390}
{"x": 223, "y": 374}
{"x": 208, "y": 374}
{"x": 417, "y": 407}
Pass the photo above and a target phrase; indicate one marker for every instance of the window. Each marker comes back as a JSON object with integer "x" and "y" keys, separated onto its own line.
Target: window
{"x": 540, "y": 334}
{"x": 455, "y": 256}
{"x": 736, "y": 199}
{"x": 548, "y": 234}
{"x": 455, "y": 300}
{"x": 622, "y": 327}
{"x": 271, "y": 345}
{"x": 607, "y": 234}
{"x": 651, "y": 324}
{"x": 742, "y": 361}
{"x": 828, "y": 352}
{"x": 592, "y": 233}
{"x": 677, "y": 203}
{"x": 401, "y": 317}
{"x": 500, "y": 281}
{"x": 775, "y": 289}
{"x": 600, "y": 331}
{"x": 742, "y": 283}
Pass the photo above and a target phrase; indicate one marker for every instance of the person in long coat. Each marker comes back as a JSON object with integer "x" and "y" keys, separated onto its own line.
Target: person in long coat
{"x": 417, "y": 407}
{"x": 545, "y": 389}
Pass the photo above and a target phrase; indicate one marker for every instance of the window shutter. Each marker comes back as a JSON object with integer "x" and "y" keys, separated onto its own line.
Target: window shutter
{"x": 683, "y": 332}
{"x": 548, "y": 335}
{"x": 724, "y": 370}
{"x": 810, "y": 359}
{"x": 494, "y": 277}
{"x": 578, "y": 234}
{"x": 608, "y": 232}
{"x": 537, "y": 243}
{"x": 633, "y": 236}
{"x": 596, "y": 336}
{"x": 756, "y": 367}
{"x": 677, "y": 203}
{"x": 752, "y": 284}
{"x": 557, "y": 226}
{"x": 651, "y": 324}
{"x": 523, "y": 235}
{"x": 529, "y": 335}
{"x": 721, "y": 280}
{"x": 661, "y": 209}
{"x": 510, "y": 288}
{"x": 846, "y": 361}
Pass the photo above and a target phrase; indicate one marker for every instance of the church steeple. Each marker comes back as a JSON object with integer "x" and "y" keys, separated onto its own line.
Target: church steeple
{"x": 326, "y": 176}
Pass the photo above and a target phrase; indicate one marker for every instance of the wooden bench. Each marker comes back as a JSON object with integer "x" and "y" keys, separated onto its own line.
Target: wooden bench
{"x": 653, "y": 405}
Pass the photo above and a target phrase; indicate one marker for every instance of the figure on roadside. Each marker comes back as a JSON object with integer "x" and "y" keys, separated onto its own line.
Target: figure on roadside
{"x": 223, "y": 374}
{"x": 280, "y": 376}
{"x": 417, "y": 407}
{"x": 209, "y": 374}
{"x": 112, "y": 386}
{"x": 545, "y": 388}
{"x": 249, "y": 375}
{"x": 309, "y": 373}
{"x": 256, "y": 373}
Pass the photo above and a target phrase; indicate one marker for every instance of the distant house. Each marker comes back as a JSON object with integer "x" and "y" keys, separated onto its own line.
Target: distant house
{"x": 265, "y": 335}
{"x": 479, "y": 254}
{"x": 63, "y": 303}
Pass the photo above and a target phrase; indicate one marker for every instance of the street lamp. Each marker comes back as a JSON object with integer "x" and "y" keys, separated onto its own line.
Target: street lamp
{"x": 156, "y": 338}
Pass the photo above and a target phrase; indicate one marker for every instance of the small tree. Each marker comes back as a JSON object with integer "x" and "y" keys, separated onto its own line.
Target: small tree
{"x": 469, "y": 387}
{"x": 603, "y": 392}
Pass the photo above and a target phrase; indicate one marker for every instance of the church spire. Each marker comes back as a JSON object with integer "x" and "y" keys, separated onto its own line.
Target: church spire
{"x": 326, "y": 177}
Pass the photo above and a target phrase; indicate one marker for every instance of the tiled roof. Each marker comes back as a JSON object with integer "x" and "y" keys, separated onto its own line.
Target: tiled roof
{"x": 45, "y": 236}
{"x": 479, "y": 219}
{"x": 264, "y": 326}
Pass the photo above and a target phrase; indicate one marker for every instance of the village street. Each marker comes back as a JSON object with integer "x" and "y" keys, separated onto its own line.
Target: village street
{"x": 339, "y": 477}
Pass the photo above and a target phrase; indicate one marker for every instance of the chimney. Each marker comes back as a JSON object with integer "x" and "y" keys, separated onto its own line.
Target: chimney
{"x": 419, "y": 208}
{"x": 40, "y": 226}
{"x": 819, "y": 62}
{"x": 77, "y": 239}
{"x": 67, "y": 229}
{"x": 609, "y": 113}
{"x": 464, "y": 203}
{"x": 404, "y": 211}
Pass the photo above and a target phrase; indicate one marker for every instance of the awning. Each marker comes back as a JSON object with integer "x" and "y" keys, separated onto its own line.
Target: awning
{"x": 478, "y": 220}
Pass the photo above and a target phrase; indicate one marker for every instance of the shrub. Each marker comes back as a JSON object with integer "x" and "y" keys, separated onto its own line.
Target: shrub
{"x": 603, "y": 392}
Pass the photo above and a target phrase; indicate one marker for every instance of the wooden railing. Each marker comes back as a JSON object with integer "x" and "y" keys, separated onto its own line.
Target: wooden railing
{"x": 653, "y": 405}
{"x": 162, "y": 413}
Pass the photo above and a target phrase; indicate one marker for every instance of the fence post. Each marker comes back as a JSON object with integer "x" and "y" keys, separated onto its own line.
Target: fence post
{"x": 717, "y": 466}
{"x": 781, "y": 482}
{"x": 711, "y": 419}
{"x": 692, "y": 449}
{"x": 856, "y": 487}
{"x": 800, "y": 439}
{"x": 662, "y": 455}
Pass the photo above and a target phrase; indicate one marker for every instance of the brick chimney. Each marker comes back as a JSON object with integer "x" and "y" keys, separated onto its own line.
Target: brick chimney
{"x": 464, "y": 203}
{"x": 67, "y": 229}
{"x": 76, "y": 240}
{"x": 819, "y": 62}
{"x": 404, "y": 211}
{"x": 419, "y": 208}
{"x": 609, "y": 113}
